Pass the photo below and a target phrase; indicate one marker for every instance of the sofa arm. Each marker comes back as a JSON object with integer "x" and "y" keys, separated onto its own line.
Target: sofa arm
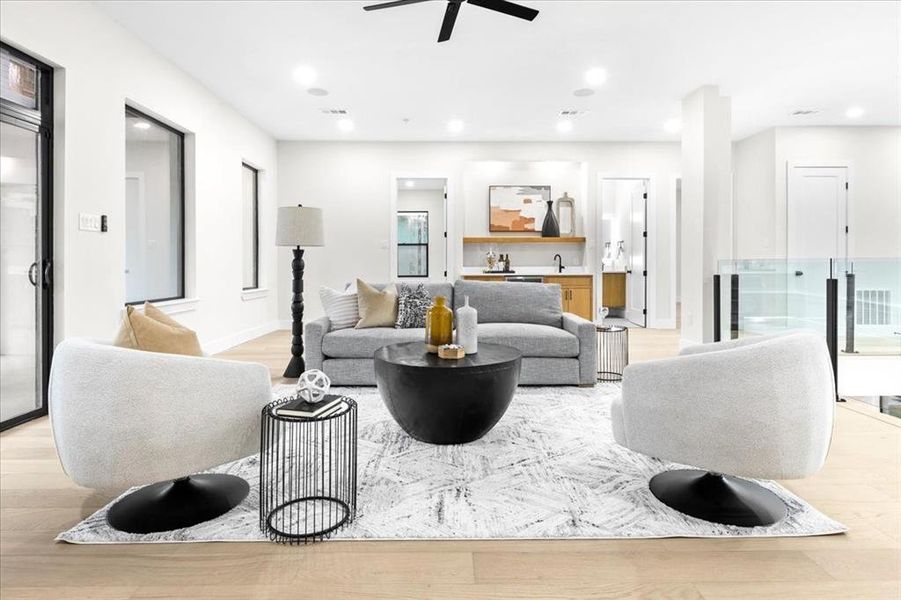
{"x": 752, "y": 411}
{"x": 313, "y": 332}
{"x": 586, "y": 332}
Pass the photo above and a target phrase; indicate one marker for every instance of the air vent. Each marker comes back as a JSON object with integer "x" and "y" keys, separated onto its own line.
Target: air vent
{"x": 804, "y": 112}
{"x": 873, "y": 307}
{"x": 334, "y": 111}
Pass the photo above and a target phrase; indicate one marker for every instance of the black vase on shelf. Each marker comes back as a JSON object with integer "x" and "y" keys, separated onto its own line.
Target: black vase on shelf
{"x": 550, "y": 227}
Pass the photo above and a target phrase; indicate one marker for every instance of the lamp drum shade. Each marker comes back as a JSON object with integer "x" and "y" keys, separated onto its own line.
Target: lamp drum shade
{"x": 299, "y": 226}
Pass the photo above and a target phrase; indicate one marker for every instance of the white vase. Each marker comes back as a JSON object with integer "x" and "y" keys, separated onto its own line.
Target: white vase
{"x": 467, "y": 330}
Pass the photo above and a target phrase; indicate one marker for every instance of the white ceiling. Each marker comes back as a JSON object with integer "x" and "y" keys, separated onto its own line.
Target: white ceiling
{"x": 507, "y": 79}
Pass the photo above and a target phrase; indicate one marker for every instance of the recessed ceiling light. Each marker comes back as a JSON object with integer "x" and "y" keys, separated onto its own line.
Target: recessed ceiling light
{"x": 854, "y": 112}
{"x": 595, "y": 76}
{"x": 345, "y": 125}
{"x": 409, "y": 183}
{"x": 455, "y": 126}
{"x": 317, "y": 92}
{"x": 583, "y": 92}
{"x": 672, "y": 125}
{"x": 142, "y": 125}
{"x": 305, "y": 75}
{"x": 564, "y": 126}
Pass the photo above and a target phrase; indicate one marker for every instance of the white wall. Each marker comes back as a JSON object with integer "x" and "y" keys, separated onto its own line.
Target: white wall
{"x": 352, "y": 182}
{"x": 873, "y": 157}
{"x": 432, "y": 202}
{"x": 754, "y": 210}
{"x": 99, "y": 68}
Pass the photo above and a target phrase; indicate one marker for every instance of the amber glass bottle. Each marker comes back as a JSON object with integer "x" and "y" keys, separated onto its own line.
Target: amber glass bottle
{"x": 439, "y": 325}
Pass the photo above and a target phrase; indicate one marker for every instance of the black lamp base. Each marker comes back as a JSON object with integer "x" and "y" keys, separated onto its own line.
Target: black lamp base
{"x": 175, "y": 504}
{"x": 718, "y": 498}
{"x": 295, "y": 367}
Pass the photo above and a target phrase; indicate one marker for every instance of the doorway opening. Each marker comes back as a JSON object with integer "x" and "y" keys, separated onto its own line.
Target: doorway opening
{"x": 623, "y": 250}
{"x": 26, "y": 235}
{"x": 419, "y": 249}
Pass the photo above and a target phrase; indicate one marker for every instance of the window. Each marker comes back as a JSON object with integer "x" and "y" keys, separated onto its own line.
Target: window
{"x": 251, "y": 220}
{"x": 412, "y": 244}
{"x": 154, "y": 210}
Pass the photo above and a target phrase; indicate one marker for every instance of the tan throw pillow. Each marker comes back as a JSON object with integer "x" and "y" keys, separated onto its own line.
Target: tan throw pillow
{"x": 377, "y": 308}
{"x": 155, "y": 331}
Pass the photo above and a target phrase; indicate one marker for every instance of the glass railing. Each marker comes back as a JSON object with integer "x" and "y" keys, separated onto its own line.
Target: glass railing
{"x": 869, "y": 306}
{"x": 762, "y": 296}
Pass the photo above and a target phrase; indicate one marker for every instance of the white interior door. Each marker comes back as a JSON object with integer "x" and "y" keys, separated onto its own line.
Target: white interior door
{"x": 817, "y": 212}
{"x": 636, "y": 276}
{"x": 816, "y": 232}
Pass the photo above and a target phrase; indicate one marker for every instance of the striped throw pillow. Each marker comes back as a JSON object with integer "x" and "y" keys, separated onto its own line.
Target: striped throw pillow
{"x": 341, "y": 308}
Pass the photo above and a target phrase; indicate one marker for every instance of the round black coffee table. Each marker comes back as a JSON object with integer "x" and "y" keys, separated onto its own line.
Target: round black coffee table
{"x": 442, "y": 401}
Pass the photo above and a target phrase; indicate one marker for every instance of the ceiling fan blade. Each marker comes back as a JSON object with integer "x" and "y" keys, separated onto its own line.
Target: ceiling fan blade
{"x": 508, "y": 8}
{"x": 392, "y": 4}
{"x": 450, "y": 17}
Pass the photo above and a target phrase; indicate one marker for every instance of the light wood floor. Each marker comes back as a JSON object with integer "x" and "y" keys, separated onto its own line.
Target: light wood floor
{"x": 860, "y": 486}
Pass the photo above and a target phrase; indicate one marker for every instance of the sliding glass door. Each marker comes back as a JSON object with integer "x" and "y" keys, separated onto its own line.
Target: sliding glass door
{"x": 25, "y": 236}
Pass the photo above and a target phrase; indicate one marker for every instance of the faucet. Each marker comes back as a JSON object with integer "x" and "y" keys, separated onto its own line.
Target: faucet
{"x": 559, "y": 260}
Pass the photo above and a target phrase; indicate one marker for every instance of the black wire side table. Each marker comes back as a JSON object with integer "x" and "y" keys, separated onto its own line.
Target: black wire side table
{"x": 308, "y": 473}
{"x": 613, "y": 352}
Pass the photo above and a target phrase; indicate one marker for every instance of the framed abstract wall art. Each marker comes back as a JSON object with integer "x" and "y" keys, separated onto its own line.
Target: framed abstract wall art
{"x": 517, "y": 208}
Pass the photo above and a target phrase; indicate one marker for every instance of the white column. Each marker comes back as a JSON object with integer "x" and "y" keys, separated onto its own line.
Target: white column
{"x": 706, "y": 205}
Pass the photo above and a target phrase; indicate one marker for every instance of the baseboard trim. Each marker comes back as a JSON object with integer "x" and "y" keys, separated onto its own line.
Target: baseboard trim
{"x": 230, "y": 341}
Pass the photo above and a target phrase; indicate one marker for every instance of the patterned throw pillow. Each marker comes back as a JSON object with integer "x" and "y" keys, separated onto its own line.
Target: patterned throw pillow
{"x": 341, "y": 309}
{"x": 412, "y": 303}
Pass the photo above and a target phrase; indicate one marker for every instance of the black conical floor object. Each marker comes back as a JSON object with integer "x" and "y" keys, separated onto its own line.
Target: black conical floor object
{"x": 718, "y": 498}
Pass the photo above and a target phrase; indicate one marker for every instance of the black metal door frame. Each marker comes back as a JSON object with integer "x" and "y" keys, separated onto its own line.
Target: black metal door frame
{"x": 41, "y": 122}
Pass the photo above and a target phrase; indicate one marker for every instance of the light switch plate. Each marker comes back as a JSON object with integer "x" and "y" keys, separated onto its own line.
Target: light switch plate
{"x": 88, "y": 222}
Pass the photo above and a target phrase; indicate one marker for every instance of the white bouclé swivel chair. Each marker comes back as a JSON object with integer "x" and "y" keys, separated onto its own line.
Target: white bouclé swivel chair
{"x": 125, "y": 417}
{"x": 759, "y": 407}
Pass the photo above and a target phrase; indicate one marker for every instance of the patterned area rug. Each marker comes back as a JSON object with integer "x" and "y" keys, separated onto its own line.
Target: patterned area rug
{"x": 549, "y": 469}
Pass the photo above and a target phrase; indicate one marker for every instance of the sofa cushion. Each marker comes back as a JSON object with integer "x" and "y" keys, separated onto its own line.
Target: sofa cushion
{"x": 155, "y": 331}
{"x": 362, "y": 343}
{"x": 440, "y": 288}
{"x": 342, "y": 309}
{"x": 412, "y": 305}
{"x": 503, "y": 302}
{"x": 531, "y": 339}
{"x": 378, "y": 308}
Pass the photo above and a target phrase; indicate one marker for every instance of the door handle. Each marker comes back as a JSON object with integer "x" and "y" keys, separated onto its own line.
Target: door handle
{"x": 46, "y": 275}
{"x": 32, "y": 271}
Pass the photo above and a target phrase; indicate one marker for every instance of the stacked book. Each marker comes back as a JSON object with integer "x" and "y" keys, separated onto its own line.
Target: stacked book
{"x": 301, "y": 409}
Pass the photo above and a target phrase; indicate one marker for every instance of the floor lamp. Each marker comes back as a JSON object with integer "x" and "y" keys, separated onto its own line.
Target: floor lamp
{"x": 298, "y": 226}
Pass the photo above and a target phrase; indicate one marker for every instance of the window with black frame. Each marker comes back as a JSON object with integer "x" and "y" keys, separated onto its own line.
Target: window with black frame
{"x": 412, "y": 244}
{"x": 154, "y": 209}
{"x": 251, "y": 227}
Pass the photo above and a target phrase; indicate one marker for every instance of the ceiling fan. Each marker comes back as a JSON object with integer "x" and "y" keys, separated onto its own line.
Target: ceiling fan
{"x": 453, "y": 7}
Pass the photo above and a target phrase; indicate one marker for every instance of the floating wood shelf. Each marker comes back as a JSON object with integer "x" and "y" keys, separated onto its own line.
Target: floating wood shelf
{"x": 512, "y": 239}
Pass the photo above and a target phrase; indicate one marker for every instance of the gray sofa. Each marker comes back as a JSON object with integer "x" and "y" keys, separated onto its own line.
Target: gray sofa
{"x": 558, "y": 348}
